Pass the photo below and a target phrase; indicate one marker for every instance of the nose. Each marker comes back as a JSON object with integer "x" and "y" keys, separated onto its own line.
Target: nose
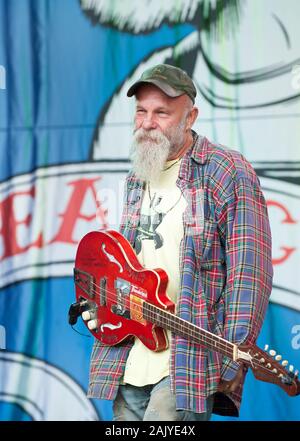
{"x": 148, "y": 122}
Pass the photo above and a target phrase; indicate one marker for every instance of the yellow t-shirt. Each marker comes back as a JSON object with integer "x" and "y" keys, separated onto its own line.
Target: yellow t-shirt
{"x": 159, "y": 235}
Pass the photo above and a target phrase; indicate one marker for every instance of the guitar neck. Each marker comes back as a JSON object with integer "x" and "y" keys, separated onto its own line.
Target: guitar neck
{"x": 179, "y": 326}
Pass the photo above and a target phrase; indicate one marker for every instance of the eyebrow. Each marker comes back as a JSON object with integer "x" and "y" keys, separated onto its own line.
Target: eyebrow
{"x": 139, "y": 106}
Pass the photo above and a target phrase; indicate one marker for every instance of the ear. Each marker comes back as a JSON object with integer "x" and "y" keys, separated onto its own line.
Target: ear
{"x": 192, "y": 118}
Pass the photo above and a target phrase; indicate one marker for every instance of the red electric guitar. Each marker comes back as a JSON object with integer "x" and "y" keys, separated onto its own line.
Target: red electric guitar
{"x": 118, "y": 298}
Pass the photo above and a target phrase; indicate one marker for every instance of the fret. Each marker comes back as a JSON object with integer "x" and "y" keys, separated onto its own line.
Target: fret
{"x": 179, "y": 326}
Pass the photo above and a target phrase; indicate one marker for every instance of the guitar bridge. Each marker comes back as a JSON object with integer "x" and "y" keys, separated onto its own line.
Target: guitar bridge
{"x": 118, "y": 310}
{"x": 122, "y": 288}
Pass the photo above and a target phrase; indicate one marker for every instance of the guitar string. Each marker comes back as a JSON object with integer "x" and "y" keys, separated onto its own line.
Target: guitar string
{"x": 174, "y": 319}
{"x": 222, "y": 343}
{"x": 186, "y": 326}
{"x": 253, "y": 362}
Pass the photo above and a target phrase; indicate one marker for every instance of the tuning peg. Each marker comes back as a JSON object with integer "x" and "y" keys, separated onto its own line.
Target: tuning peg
{"x": 272, "y": 352}
{"x": 291, "y": 368}
{"x": 278, "y": 357}
{"x": 266, "y": 347}
{"x": 285, "y": 363}
{"x": 296, "y": 373}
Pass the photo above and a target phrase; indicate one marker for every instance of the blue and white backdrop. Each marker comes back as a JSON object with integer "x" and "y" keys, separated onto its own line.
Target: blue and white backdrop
{"x": 65, "y": 129}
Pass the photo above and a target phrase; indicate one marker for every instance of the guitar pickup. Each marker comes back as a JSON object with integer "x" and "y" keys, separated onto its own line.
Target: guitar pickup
{"x": 103, "y": 283}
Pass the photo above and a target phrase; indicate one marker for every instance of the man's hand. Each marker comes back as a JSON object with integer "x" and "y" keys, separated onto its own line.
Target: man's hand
{"x": 230, "y": 386}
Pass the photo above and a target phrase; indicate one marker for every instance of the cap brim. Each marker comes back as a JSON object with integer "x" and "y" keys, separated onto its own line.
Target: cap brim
{"x": 168, "y": 90}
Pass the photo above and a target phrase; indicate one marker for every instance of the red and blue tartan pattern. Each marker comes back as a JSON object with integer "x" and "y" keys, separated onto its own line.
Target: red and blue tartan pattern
{"x": 226, "y": 275}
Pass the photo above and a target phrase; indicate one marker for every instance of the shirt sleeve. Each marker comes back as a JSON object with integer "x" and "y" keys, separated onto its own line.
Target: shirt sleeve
{"x": 245, "y": 231}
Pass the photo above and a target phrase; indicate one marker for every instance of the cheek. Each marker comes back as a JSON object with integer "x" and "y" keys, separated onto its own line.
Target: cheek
{"x": 168, "y": 128}
{"x": 137, "y": 123}
{"x": 164, "y": 126}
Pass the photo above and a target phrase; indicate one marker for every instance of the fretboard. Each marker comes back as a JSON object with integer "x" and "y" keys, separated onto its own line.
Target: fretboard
{"x": 191, "y": 332}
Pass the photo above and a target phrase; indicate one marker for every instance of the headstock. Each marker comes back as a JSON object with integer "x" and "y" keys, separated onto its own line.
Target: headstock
{"x": 266, "y": 367}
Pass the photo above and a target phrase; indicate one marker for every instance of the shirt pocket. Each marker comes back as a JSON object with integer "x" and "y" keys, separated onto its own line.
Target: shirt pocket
{"x": 206, "y": 245}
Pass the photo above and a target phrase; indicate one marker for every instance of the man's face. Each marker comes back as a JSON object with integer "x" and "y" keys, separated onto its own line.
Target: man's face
{"x": 157, "y": 111}
{"x": 160, "y": 131}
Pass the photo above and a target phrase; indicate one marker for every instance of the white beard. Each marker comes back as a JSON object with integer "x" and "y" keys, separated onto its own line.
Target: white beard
{"x": 151, "y": 149}
{"x": 149, "y": 153}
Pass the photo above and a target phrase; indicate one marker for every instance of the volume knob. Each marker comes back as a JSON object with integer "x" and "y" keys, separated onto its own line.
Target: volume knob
{"x": 92, "y": 324}
{"x": 88, "y": 315}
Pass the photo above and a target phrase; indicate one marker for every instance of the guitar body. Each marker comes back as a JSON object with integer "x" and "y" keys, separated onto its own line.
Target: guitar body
{"x": 109, "y": 276}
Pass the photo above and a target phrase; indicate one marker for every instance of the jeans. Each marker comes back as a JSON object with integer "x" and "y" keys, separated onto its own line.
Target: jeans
{"x": 153, "y": 402}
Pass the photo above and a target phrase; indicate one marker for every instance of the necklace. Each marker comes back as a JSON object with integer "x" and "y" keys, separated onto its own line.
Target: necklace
{"x": 172, "y": 164}
{"x": 153, "y": 198}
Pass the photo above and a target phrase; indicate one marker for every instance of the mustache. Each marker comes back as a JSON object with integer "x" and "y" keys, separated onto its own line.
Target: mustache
{"x": 142, "y": 135}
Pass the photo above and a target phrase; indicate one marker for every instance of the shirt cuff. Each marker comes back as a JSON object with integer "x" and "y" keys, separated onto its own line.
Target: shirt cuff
{"x": 229, "y": 369}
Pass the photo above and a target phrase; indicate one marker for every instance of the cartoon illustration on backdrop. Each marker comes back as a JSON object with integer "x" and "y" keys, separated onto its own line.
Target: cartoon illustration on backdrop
{"x": 37, "y": 376}
{"x": 247, "y": 96}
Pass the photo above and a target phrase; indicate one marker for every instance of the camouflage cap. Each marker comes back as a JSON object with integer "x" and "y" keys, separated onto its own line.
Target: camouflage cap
{"x": 170, "y": 79}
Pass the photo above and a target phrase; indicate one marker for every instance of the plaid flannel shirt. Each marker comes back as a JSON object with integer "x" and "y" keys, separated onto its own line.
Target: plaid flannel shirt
{"x": 226, "y": 275}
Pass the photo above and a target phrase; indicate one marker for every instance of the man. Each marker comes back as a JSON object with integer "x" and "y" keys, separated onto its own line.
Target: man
{"x": 196, "y": 210}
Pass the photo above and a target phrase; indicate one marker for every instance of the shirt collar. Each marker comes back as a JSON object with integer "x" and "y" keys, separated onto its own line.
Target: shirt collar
{"x": 199, "y": 149}
{"x": 198, "y": 152}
